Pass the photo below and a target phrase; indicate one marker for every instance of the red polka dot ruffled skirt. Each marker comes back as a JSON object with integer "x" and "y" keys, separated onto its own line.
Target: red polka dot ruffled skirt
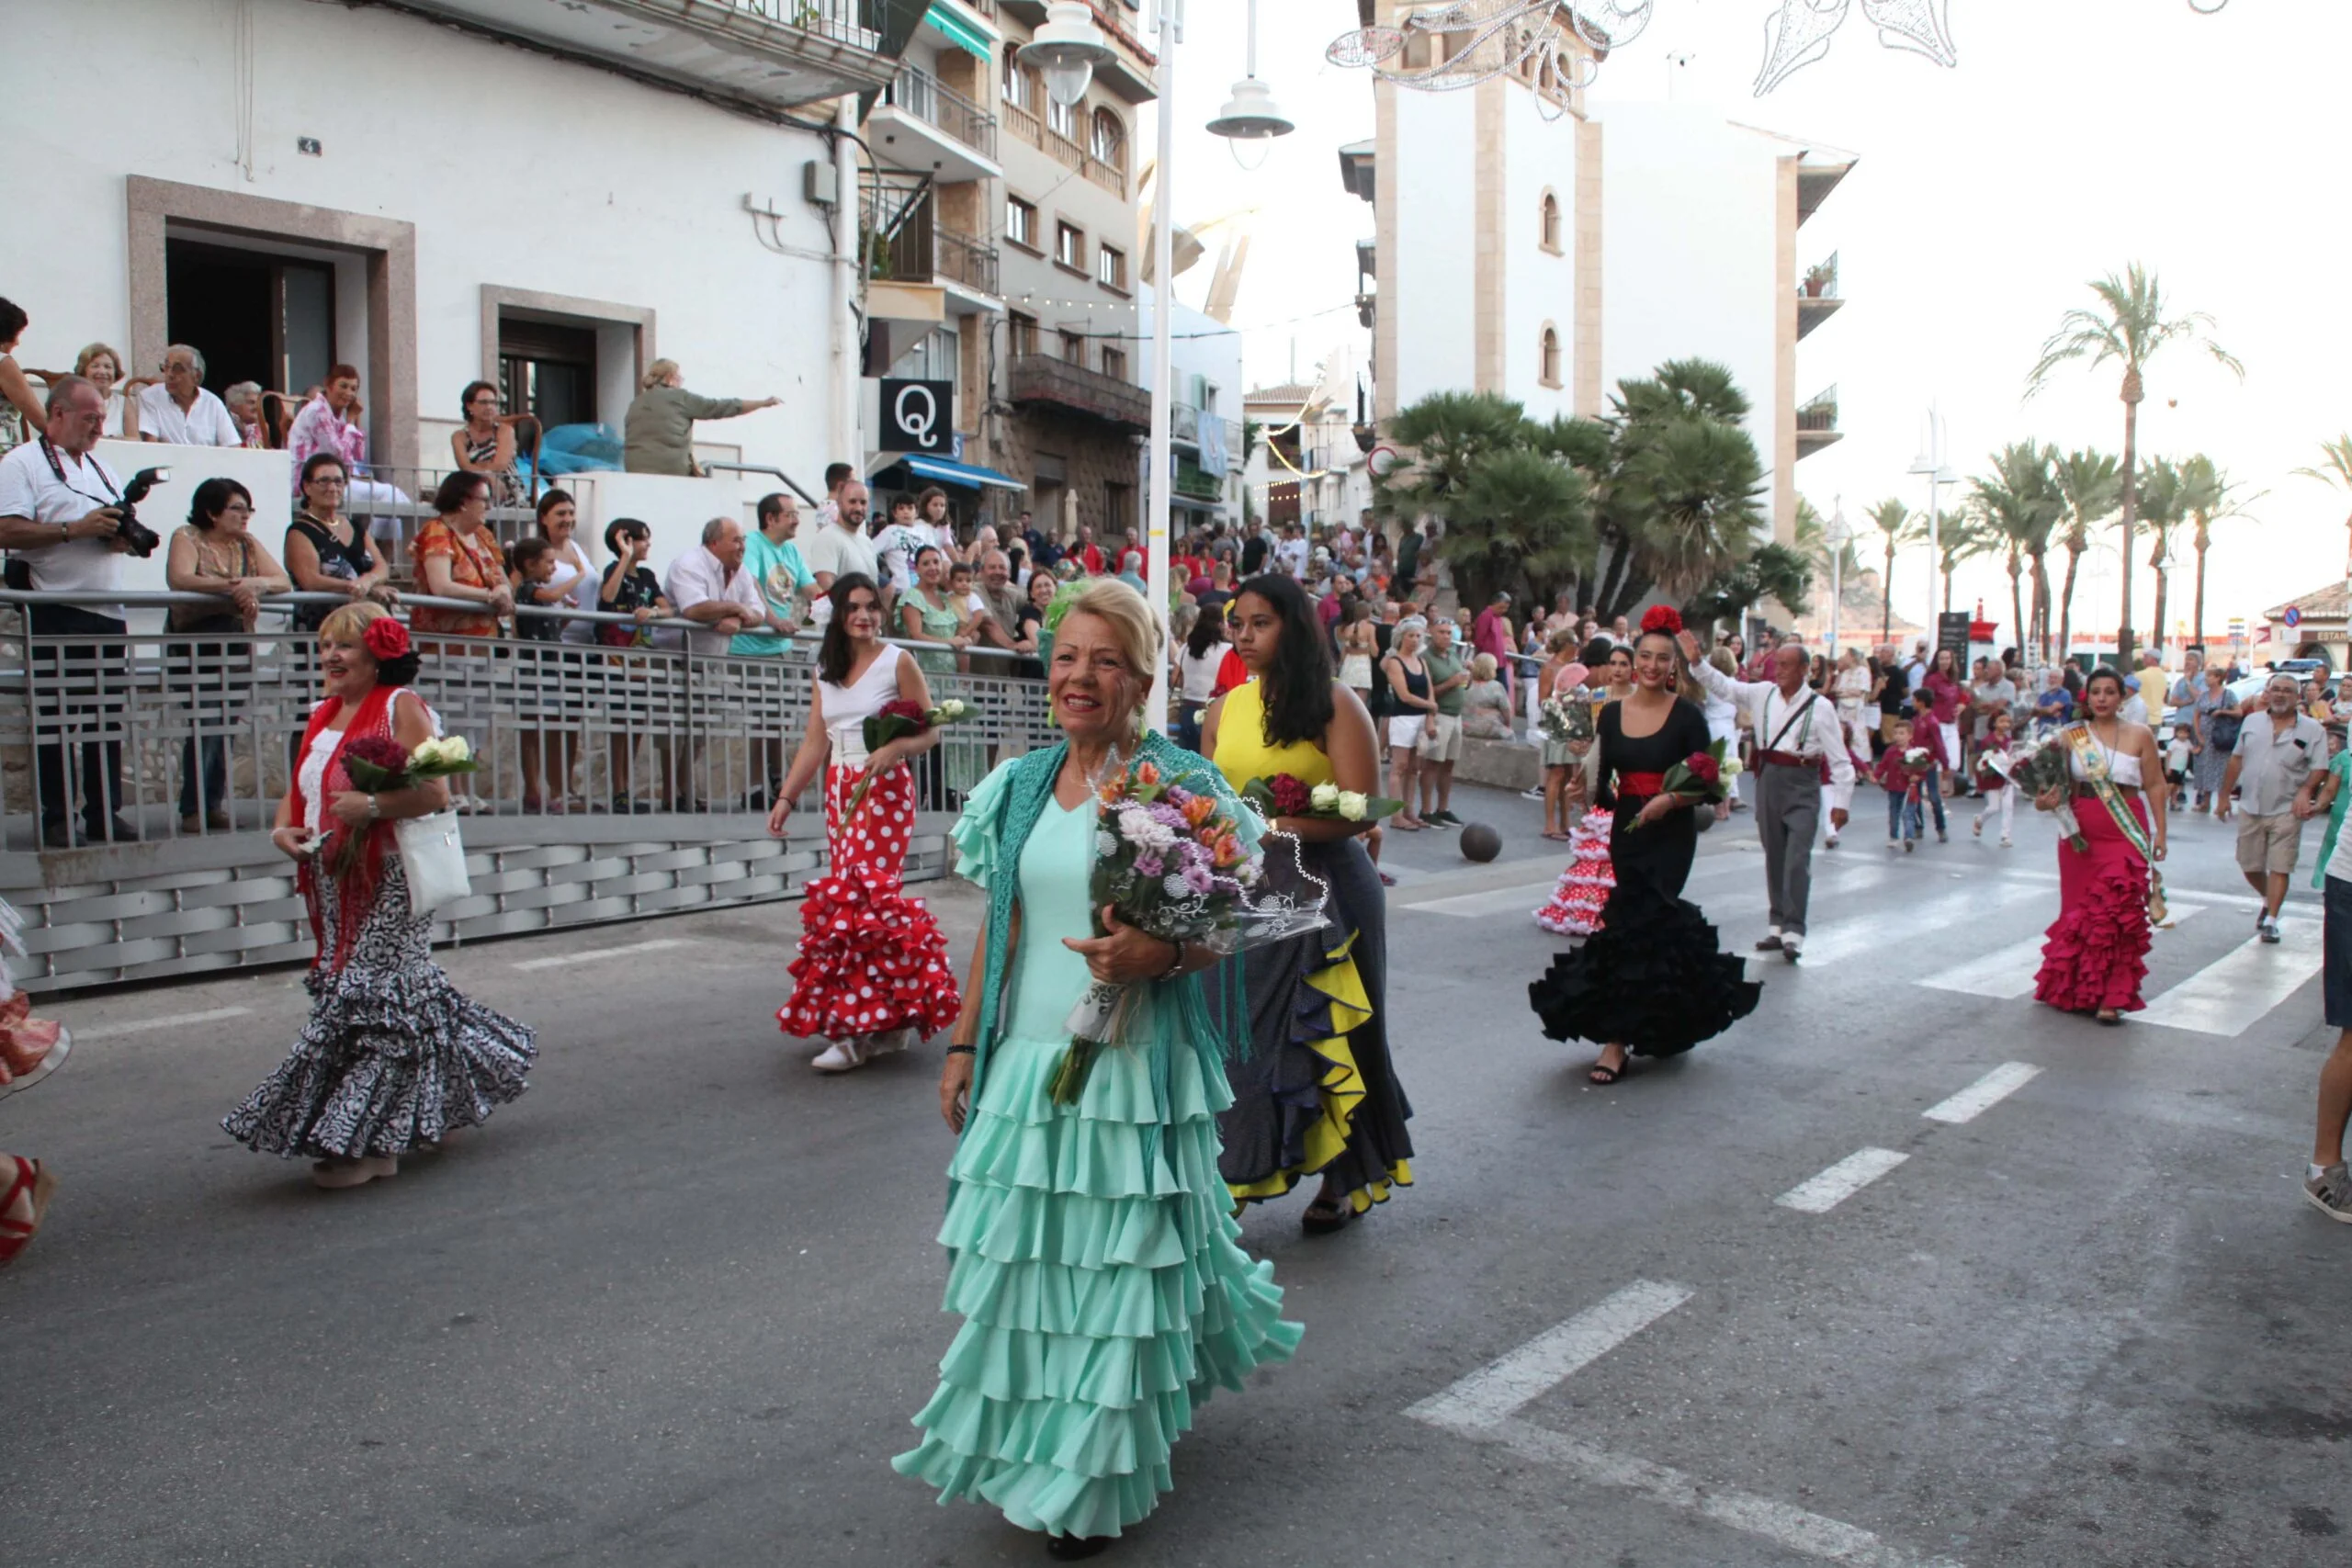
{"x": 871, "y": 958}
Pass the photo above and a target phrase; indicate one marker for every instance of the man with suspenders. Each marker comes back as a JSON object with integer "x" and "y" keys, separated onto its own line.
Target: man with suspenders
{"x": 1796, "y": 731}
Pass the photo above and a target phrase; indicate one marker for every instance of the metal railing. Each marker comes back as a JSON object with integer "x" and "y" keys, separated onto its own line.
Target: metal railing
{"x": 1818, "y": 412}
{"x": 1820, "y": 280}
{"x": 934, "y": 102}
{"x": 857, "y": 23}
{"x": 114, "y": 737}
{"x": 1184, "y": 423}
{"x": 1062, "y": 150}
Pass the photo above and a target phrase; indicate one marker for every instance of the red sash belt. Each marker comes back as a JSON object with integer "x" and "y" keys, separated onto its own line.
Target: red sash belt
{"x": 1787, "y": 758}
{"x": 1640, "y": 783}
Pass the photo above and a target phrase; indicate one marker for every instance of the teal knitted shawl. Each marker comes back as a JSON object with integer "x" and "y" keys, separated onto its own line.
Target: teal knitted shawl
{"x": 1180, "y": 1017}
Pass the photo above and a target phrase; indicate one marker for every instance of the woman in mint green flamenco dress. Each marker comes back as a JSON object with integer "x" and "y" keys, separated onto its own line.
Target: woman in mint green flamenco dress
{"x": 1091, "y": 1250}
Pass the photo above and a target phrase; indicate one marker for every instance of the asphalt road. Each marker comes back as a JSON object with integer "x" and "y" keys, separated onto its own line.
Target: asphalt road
{"x": 676, "y": 1305}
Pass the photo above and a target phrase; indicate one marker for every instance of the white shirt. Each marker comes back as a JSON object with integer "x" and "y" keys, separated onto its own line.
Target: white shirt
{"x": 204, "y": 424}
{"x": 894, "y": 549}
{"x": 836, "y": 551}
{"x": 698, "y": 578}
{"x": 1817, "y": 734}
{"x": 1292, "y": 555}
{"x": 30, "y": 488}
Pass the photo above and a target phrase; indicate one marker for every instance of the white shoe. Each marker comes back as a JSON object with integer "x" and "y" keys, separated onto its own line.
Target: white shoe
{"x": 891, "y": 1039}
{"x": 841, "y": 1055}
{"x": 2005, "y": 840}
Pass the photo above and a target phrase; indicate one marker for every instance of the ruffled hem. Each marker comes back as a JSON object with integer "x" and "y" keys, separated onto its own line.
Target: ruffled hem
{"x": 1102, "y": 1292}
{"x": 871, "y": 959}
{"x": 1334, "y": 1003}
{"x": 1652, "y": 980}
{"x": 2095, "y": 953}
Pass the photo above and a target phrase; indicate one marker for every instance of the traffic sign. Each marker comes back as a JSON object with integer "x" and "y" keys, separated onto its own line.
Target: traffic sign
{"x": 2292, "y": 615}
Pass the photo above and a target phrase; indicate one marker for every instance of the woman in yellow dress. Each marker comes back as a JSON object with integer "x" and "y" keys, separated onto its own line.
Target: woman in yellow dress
{"x": 1316, "y": 1094}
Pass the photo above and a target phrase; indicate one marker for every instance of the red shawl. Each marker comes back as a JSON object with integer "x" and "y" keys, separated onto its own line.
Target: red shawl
{"x": 358, "y": 889}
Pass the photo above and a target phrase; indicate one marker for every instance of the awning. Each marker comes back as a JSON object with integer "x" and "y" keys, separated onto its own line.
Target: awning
{"x": 939, "y": 471}
{"x": 961, "y": 33}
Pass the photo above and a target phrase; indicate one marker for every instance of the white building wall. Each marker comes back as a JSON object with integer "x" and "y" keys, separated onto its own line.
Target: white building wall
{"x": 1689, "y": 225}
{"x": 1538, "y": 287}
{"x": 519, "y": 170}
{"x": 1436, "y": 229}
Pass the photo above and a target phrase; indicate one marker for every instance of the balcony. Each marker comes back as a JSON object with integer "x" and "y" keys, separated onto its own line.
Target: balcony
{"x": 765, "y": 55}
{"x": 921, "y": 124}
{"x": 1817, "y": 424}
{"x": 1184, "y": 424}
{"x": 1041, "y": 380}
{"x": 1063, "y": 151}
{"x": 1128, "y": 73}
{"x": 1196, "y": 483}
{"x": 1818, "y": 297}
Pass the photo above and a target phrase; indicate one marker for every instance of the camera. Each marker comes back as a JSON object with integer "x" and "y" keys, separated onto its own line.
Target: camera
{"x": 137, "y": 537}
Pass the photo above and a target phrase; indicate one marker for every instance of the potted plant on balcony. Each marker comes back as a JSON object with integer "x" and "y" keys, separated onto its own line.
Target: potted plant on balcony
{"x": 1817, "y": 278}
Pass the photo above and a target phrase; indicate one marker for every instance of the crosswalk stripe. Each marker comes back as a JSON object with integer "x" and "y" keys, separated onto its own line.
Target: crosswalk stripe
{"x": 1497, "y": 1389}
{"x": 1984, "y": 1094}
{"x": 2008, "y": 972}
{"x": 2230, "y": 994}
{"x": 1819, "y": 1194}
{"x": 1890, "y": 931}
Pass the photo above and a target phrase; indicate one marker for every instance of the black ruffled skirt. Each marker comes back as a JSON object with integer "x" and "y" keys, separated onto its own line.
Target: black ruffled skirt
{"x": 1654, "y": 978}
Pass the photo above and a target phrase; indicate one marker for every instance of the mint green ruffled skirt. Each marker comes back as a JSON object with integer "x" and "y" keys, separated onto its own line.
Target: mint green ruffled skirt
{"x": 1095, "y": 1263}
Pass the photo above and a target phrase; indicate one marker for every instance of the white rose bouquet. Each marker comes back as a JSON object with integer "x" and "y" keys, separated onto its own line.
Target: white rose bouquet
{"x": 1287, "y": 794}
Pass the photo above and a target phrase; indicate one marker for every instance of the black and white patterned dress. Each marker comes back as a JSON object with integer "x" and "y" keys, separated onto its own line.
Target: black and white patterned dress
{"x": 393, "y": 1056}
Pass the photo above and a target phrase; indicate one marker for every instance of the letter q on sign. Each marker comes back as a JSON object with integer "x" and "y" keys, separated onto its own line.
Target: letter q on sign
{"x": 917, "y": 416}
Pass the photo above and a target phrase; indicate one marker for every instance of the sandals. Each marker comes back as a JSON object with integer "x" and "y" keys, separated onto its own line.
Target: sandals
{"x": 34, "y": 1182}
{"x": 1321, "y": 1218}
{"x": 1602, "y": 1076}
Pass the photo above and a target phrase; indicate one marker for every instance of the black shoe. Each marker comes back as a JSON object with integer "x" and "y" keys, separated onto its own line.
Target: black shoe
{"x": 1770, "y": 944}
{"x": 57, "y": 834}
{"x": 1070, "y": 1548}
{"x": 114, "y": 831}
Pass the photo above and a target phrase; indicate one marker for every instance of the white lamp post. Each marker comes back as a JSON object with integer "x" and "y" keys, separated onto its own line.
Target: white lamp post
{"x": 1931, "y": 462}
{"x": 1838, "y": 537}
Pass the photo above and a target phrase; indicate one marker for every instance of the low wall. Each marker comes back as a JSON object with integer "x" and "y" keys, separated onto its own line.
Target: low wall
{"x": 1506, "y": 764}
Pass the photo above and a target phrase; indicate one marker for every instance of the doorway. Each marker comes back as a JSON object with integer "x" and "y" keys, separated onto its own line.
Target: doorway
{"x": 254, "y": 317}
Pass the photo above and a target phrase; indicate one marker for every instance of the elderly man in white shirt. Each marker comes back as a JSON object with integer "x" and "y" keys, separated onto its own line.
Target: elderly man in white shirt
{"x": 177, "y": 410}
{"x": 709, "y": 587}
{"x": 1796, "y": 731}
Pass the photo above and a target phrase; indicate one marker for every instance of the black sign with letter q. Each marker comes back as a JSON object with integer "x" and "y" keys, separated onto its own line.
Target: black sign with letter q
{"x": 919, "y": 416}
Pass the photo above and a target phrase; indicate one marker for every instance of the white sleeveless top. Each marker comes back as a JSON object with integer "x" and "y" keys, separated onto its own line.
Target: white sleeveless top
{"x": 2124, "y": 767}
{"x": 848, "y": 707}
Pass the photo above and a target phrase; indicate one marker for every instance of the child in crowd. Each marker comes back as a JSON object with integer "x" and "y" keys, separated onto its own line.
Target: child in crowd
{"x": 531, "y": 566}
{"x": 1991, "y": 777}
{"x": 1902, "y": 776}
{"x": 2179, "y": 751}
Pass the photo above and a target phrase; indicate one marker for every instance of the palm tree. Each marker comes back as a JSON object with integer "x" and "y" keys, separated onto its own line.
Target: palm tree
{"x": 2336, "y": 469}
{"x": 1892, "y": 518}
{"x": 1692, "y": 484}
{"x": 2162, "y": 510}
{"x": 1960, "y": 534}
{"x": 1516, "y": 511}
{"x": 2091, "y": 485}
{"x": 2020, "y": 504}
{"x": 2205, "y": 496}
{"x": 2129, "y": 327}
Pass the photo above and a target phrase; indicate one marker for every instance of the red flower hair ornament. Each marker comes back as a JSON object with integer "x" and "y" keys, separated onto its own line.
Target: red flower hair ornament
{"x": 385, "y": 639}
{"x": 1662, "y": 618}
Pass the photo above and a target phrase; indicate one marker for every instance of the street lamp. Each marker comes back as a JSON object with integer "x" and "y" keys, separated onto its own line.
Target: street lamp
{"x": 1250, "y": 114}
{"x": 1931, "y": 462}
{"x": 1838, "y": 537}
{"x": 1067, "y": 49}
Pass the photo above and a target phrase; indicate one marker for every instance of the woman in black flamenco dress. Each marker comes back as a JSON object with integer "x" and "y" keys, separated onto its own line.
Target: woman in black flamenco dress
{"x": 1652, "y": 980}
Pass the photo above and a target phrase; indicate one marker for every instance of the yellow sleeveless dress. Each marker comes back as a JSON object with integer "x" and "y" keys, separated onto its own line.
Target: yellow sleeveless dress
{"x": 1312, "y": 992}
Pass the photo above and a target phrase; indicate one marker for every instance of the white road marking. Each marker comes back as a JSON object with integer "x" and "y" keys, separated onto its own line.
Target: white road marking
{"x": 1499, "y": 1387}
{"x": 2230, "y": 994}
{"x": 1819, "y": 1194}
{"x": 1875, "y": 935}
{"x": 590, "y": 954}
{"x": 2008, "y": 972}
{"x": 1814, "y": 1535}
{"x": 83, "y": 1036}
{"x": 1526, "y": 897}
{"x": 1984, "y": 1094}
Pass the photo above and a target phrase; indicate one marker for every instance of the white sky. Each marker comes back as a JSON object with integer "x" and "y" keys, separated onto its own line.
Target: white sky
{"x": 2074, "y": 136}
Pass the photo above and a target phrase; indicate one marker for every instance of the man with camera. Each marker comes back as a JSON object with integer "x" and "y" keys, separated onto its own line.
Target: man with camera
{"x": 62, "y": 516}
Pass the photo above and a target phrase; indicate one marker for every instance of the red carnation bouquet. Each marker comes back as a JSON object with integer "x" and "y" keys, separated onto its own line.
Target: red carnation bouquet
{"x": 894, "y": 721}
{"x": 1287, "y": 794}
{"x": 1698, "y": 778}
{"x": 378, "y": 763}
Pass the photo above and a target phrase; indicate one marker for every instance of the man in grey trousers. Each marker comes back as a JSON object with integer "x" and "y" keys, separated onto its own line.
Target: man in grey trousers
{"x": 1796, "y": 731}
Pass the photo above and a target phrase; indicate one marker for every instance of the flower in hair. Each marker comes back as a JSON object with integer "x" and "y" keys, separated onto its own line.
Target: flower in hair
{"x": 1662, "y": 618}
{"x": 384, "y": 637}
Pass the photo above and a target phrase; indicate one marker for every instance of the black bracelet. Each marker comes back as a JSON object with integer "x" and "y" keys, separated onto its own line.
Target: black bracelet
{"x": 963, "y": 1049}
{"x": 1175, "y": 968}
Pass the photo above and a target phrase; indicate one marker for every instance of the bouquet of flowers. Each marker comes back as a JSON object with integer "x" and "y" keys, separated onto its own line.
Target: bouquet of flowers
{"x": 894, "y": 721}
{"x": 2042, "y": 764}
{"x": 379, "y": 763}
{"x": 1287, "y": 794}
{"x": 1170, "y": 861}
{"x": 1567, "y": 716}
{"x": 1698, "y": 778}
{"x": 1918, "y": 758}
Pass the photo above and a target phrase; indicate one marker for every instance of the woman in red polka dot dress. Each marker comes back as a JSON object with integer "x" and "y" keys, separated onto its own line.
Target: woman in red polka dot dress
{"x": 873, "y": 974}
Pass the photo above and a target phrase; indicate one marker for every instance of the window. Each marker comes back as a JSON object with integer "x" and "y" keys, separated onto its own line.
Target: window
{"x": 1024, "y": 334}
{"x": 936, "y": 357}
{"x": 1064, "y": 122}
{"x": 1111, "y": 268}
{"x": 1074, "y": 348}
{"x": 1020, "y": 83}
{"x": 1109, "y": 143}
{"x": 1550, "y": 375}
{"x": 1114, "y": 362}
{"x": 1019, "y": 222}
{"x": 1069, "y": 246}
{"x": 1549, "y": 229}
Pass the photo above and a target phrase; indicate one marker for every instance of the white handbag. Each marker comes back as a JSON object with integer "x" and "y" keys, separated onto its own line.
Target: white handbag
{"x": 434, "y": 857}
